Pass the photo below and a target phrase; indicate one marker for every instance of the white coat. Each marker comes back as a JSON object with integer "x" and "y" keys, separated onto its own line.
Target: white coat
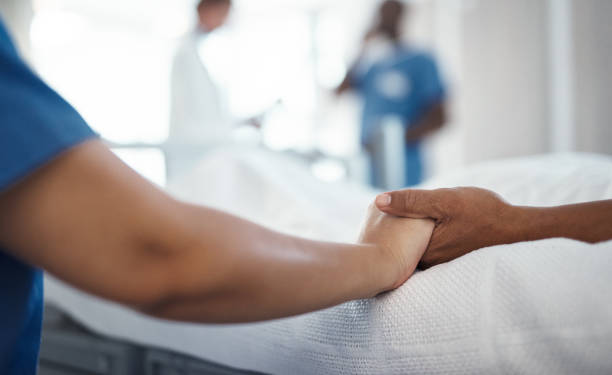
{"x": 199, "y": 119}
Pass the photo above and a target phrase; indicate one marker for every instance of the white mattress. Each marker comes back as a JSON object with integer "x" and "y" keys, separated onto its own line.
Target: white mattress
{"x": 537, "y": 307}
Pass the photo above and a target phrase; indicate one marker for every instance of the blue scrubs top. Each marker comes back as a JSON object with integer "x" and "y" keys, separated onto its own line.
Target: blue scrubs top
{"x": 36, "y": 125}
{"x": 404, "y": 85}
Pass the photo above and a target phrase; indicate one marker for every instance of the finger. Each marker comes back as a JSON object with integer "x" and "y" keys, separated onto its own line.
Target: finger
{"x": 412, "y": 203}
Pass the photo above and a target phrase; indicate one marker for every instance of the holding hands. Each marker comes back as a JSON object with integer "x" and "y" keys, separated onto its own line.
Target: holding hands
{"x": 470, "y": 218}
{"x": 400, "y": 242}
{"x": 466, "y": 219}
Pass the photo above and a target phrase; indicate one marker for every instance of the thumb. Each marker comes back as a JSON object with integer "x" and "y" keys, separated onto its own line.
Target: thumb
{"x": 416, "y": 204}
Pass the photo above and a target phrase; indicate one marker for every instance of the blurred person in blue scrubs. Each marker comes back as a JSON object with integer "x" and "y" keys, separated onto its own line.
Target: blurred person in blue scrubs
{"x": 400, "y": 83}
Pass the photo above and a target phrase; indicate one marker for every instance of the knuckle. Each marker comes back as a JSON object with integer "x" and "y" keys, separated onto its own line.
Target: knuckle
{"x": 410, "y": 200}
{"x": 445, "y": 200}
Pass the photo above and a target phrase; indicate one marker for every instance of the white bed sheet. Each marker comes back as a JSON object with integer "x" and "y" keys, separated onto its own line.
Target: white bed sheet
{"x": 537, "y": 307}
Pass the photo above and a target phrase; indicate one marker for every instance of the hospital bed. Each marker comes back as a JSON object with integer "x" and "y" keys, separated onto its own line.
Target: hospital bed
{"x": 534, "y": 307}
{"x": 69, "y": 348}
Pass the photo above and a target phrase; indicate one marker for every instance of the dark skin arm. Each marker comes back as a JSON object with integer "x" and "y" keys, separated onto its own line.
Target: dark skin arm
{"x": 345, "y": 86}
{"x": 468, "y": 219}
{"x": 433, "y": 120}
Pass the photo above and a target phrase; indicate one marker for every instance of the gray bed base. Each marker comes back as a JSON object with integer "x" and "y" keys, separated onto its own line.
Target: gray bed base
{"x": 70, "y": 349}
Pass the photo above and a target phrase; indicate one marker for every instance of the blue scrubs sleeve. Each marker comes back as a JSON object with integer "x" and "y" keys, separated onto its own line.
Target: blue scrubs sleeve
{"x": 36, "y": 124}
{"x": 432, "y": 89}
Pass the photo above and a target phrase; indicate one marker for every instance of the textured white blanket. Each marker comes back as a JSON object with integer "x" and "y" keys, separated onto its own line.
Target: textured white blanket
{"x": 539, "y": 307}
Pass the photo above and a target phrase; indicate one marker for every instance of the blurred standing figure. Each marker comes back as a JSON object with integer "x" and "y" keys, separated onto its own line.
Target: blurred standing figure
{"x": 400, "y": 83}
{"x": 199, "y": 118}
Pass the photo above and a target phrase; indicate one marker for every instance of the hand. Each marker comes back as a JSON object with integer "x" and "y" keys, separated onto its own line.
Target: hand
{"x": 466, "y": 219}
{"x": 255, "y": 122}
{"x": 433, "y": 120}
{"x": 401, "y": 241}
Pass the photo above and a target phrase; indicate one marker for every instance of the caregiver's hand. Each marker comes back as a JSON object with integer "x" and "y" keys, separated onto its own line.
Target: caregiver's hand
{"x": 468, "y": 219}
{"x": 402, "y": 242}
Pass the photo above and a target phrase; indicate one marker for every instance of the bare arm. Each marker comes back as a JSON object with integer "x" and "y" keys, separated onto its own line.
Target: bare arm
{"x": 433, "y": 120}
{"x": 468, "y": 219}
{"x": 91, "y": 221}
{"x": 589, "y": 222}
{"x": 345, "y": 85}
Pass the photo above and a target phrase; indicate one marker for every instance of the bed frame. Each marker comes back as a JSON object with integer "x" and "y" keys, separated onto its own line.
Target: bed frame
{"x": 68, "y": 348}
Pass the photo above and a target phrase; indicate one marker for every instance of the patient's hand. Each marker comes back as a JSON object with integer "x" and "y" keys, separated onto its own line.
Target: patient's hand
{"x": 470, "y": 218}
{"x": 402, "y": 241}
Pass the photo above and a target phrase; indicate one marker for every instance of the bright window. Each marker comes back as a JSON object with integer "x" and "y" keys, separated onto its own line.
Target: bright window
{"x": 112, "y": 60}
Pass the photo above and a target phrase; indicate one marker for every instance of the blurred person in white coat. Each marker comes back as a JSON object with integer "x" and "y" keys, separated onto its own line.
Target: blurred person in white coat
{"x": 199, "y": 118}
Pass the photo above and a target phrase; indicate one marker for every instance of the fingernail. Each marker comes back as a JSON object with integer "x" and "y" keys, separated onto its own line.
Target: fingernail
{"x": 383, "y": 200}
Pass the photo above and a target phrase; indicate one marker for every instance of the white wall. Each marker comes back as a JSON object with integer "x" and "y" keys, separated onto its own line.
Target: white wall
{"x": 17, "y": 14}
{"x": 593, "y": 74}
{"x": 503, "y": 98}
{"x": 503, "y": 93}
{"x": 494, "y": 57}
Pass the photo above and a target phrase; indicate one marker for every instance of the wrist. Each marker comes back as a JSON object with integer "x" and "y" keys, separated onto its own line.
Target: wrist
{"x": 378, "y": 272}
{"x": 525, "y": 223}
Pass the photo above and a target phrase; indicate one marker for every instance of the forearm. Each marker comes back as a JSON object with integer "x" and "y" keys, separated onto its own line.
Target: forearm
{"x": 102, "y": 228}
{"x": 421, "y": 130}
{"x": 588, "y": 222}
{"x": 236, "y": 271}
{"x": 431, "y": 122}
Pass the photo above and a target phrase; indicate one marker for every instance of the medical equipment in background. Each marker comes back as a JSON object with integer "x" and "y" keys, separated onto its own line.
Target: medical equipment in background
{"x": 387, "y": 154}
{"x": 69, "y": 348}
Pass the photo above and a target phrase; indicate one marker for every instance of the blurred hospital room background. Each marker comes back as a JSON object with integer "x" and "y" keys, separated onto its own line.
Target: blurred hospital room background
{"x": 248, "y": 118}
{"x": 522, "y": 77}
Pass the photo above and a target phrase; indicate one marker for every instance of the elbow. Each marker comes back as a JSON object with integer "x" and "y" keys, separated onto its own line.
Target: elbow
{"x": 142, "y": 278}
{"x": 188, "y": 303}
{"x": 177, "y": 264}
{"x": 155, "y": 288}
{"x": 183, "y": 278}
{"x": 157, "y": 307}
{"x": 150, "y": 292}
{"x": 153, "y": 307}
{"x": 156, "y": 296}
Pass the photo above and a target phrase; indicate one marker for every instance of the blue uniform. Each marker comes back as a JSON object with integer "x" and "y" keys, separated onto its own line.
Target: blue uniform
{"x": 36, "y": 125}
{"x": 404, "y": 86}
